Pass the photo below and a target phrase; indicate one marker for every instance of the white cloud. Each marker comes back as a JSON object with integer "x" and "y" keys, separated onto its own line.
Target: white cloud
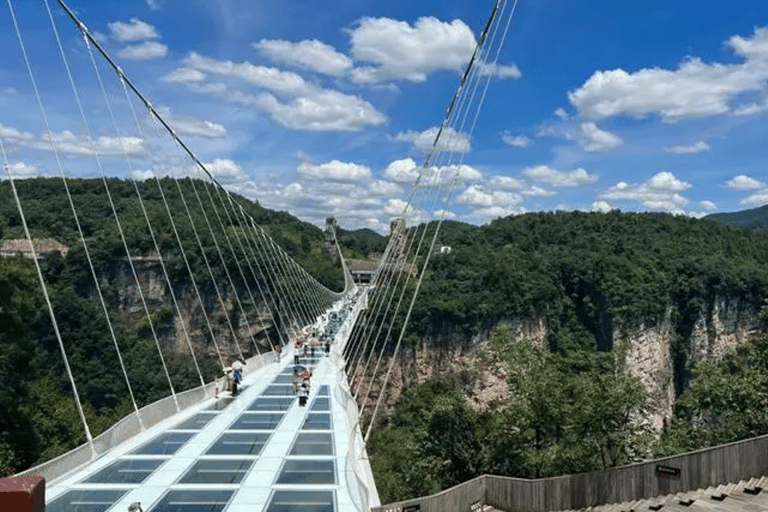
{"x": 557, "y": 178}
{"x": 134, "y": 30}
{"x": 396, "y": 50}
{"x": 321, "y": 111}
{"x": 660, "y": 192}
{"x": 69, "y": 143}
{"x": 184, "y": 75}
{"x": 519, "y": 141}
{"x": 478, "y": 196}
{"x": 142, "y": 175}
{"x": 154, "y": 5}
{"x": 751, "y": 108}
{"x": 225, "y": 169}
{"x": 601, "y": 206}
{"x": 403, "y": 171}
{"x": 335, "y": 170}
{"x": 499, "y": 70}
{"x": 694, "y": 89}
{"x": 744, "y": 182}
{"x": 561, "y": 113}
{"x": 506, "y": 182}
{"x": 758, "y": 198}
{"x": 191, "y": 126}
{"x": 19, "y": 171}
{"x": 665, "y": 180}
{"x": 307, "y": 106}
{"x": 395, "y": 207}
{"x": 593, "y": 138}
{"x": 308, "y": 54}
{"x": 384, "y": 188}
{"x": 450, "y": 139}
{"x": 689, "y": 149}
{"x": 144, "y": 51}
{"x": 494, "y": 212}
{"x": 537, "y": 192}
{"x": 444, "y": 214}
{"x": 708, "y": 205}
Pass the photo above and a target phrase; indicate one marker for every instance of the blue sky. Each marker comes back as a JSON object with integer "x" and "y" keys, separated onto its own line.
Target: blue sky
{"x": 325, "y": 108}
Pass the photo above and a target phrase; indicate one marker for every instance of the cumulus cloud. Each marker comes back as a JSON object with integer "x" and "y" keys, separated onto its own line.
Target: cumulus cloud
{"x": 142, "y": 175}
{"x": 133, "y": 30}
{"x": 292, "y": 101}
{"x": 154, "y": 5}
{"x": 477, "y": 195}
{"x": 749, "y": 109}
{"x": 557, "y": 178}
{"x": 406, "y": 171}
{"x": 184, "y": 75}
{"x": 308, "y": 54}
{"x": 335, "y": 170}
{"x": 144, "y": 51}
{"x": 744, "y": 182}
{"x": 450, "y": 139}
{"x": 499, "y": 70}
{"x": 225, "y": 169}
{"x": 384, "y": 188}
{"x": 708, "y": 205}
{"x": 694, "y": 89}
{"x": 660, "y": 192}
{"x": 535, "y": 191}
{"x": 593, "y": 138}
{"x": 601, "y": 206}
{"x": 69, "y": 143}
{"x": 519, "y": 141}
{"x": 758, "y": 198}
{"x": 396, "y": 50}
{"x": 506, "y": 182}
{"x": 689, "y": 149}
{"x": 19, "y": 171}
{"x": 191, "y": 126}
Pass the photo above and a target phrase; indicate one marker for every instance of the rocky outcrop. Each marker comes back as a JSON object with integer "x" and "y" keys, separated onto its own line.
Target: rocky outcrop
{"x": 178, "y": 329}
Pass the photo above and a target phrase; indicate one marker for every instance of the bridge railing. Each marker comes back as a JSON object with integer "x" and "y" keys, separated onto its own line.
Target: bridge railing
{"x": 130, "y": 426}
{"x": 704, "y": 468}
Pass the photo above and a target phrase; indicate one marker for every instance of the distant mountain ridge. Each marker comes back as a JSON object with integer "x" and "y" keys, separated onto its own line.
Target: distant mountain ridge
{"x": 755, "y": 218}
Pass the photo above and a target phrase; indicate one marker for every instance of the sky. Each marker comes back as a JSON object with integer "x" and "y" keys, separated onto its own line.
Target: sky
{"x": 325, "y": 108}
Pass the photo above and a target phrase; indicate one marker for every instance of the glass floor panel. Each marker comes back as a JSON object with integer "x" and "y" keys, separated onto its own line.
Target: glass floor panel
{"x": 164, "y": 444}
{"x": 237, "y": 443}
{"x": 301, "y": 501}
{"x": 196, "y": 422}
{"x": 279, "y": 390}
{"x": 125, "y": 471}
{"x": 193, "y": 501}
{"x": 307, "y": 472}
{"x": 85, "y": 501}
{"x": 317, "y": 421}
{"x": 321, "y": 403}
{"x": 220, "y": 404}
{"x": 208, "y": 471}
{"x": 272, "y": 404}
{"x": 324, "y": 391}
{"x": 313, "y": 443}
{"x": 284, "y": 379}
{"x": 257, "y": 421}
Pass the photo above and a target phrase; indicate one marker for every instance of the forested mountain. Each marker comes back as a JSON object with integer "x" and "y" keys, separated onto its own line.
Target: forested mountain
{"x": 604, "y": 292}
{"x": 755, "y": 218}
{"x": 38, "y": 419}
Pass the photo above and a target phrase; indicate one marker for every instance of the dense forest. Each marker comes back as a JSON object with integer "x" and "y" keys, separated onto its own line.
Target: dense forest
{"x": 38, "y": 419}
{"x": 585, "y": 275}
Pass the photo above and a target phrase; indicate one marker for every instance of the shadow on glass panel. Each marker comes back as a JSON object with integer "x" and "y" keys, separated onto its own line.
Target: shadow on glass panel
{"x": 308, "y": 472}
{"x": 301, "y": 501}
{"x": 193, "y": 501}
{"x": 167, "y": 443}
{"x": 196, "y": 422}
{"x": 239, "y": 443}
{"x": 208, "y": 471}
{"x": 257, "y": 421}
{"x": 125, "y": 471}
{"x": 312, "y": 443}
{"x": 85, "y": 500}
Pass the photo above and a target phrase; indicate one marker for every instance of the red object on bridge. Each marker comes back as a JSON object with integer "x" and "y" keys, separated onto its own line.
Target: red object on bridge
{"x": 277, "y": 348}
{"x": 22, "y": 494}
{"x": 306, "y": 374}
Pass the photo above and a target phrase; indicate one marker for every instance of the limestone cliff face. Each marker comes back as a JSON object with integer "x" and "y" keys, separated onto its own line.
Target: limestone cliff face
{"x": 178, "y": 329}
{"x": 659, "y": 353}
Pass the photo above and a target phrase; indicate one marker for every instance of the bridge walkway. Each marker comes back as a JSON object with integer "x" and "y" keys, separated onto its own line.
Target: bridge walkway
{"x": 258, "y": 451}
